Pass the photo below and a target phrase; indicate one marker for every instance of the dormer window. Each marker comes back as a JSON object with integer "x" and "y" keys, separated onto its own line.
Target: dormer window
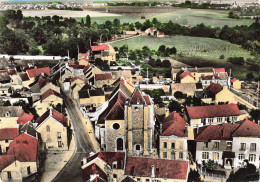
{"x": 114, "y": 165}
{"x": 138, "y": 101}
{"x": 7, "y": 114}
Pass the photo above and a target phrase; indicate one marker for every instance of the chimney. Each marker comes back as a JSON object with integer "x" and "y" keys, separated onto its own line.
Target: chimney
{"x": 152, "y": 171}
{"x": 160, "y": 128}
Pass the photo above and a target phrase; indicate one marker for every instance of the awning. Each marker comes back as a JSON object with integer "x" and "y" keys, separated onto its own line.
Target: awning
{"x": 228, "y": 154}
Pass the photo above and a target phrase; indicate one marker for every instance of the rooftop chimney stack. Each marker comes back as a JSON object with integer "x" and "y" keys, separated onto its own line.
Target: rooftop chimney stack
{"x": 152, "y": 172}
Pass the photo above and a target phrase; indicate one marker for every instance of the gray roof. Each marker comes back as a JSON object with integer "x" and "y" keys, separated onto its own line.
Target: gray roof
{"x": 4, "y": 64}
{"x": 11, "y": 111}
{"x": 96, "y": 92}
{"x": 24, "y": 76}
{"x": 4, "y": 77}
{"x": 28, "y": 128}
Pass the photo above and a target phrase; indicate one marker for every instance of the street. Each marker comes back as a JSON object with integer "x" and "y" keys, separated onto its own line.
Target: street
{"x": 72, "y": 171}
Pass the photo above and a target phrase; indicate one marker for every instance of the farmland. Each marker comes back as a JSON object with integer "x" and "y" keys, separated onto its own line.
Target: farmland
{"x": 193, "y": 17}
{"x": 196, "y": 51}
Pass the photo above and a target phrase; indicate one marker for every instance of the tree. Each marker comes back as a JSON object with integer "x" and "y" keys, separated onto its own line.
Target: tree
{"x": 194, "y": 176}
{"x": 60, "y": 108}
{"x": 138, "y": 25}
{"x": 155, "y": 21}
{"x": 173, "y": 50}
{"x": 27, "y": 108}
{"x": 19, "y": 15}
{"x": 210, "y": 164}
{"x": 162, "y": 48}
{"x": 116, "y": 22}
{"x": 249, "y": 173}
{"x": 88, "y": 21}
{"x": 158, "y": 62}
{"x": 2, "y": 23}
{"x": 101, "y": 64}
{"x": 132, "y": 55}
{"x": 174, "y": 106}
{"x": 250, "y": 76}
{"x": 166, "y": 64}
{"x": 178, "y": 95}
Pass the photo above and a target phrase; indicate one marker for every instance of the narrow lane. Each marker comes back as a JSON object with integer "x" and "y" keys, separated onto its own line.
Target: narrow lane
{"x": 72, "y": 171}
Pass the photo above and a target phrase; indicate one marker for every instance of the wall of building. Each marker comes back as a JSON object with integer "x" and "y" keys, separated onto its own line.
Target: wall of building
{"x": 50, "y": 138}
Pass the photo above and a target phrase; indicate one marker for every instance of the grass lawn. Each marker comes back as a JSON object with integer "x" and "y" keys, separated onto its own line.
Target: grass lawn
{"x": 193, "y": 17}
{"x": 196, "y": 51}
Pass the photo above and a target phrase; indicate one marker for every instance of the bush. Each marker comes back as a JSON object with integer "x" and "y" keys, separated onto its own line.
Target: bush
{"x": 166, "y": 63}
{"x": 237, "y": 60}
{"x": 222, "y": 57}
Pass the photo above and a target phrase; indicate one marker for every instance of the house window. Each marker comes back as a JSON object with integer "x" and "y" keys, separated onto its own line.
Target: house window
{"x": 219, "y": 120}
{"x": 114, "y": 176}
{"x": 180, "y": 155}
{"x": 229, "y": 145}
{"x": 165, "y": 145}
{"x": 173, "y": 145}
{"x": 173, "y": 155}
{"x": 138, "y": 179}
{"x": 165, "y": 155}
{"x": 242, "y": 146}
{"x": 204, "y": 121}
{"x": 59, "y": 134}
{"x": 216, "y": 145}
{"x": 252, "y": 157}
{"x": 48, "y": 129}
{"x": 28, "y": 170}
{"x": 241, "y": 156}
{"x": 206, "y": 144}
{"x": 137, "y": 147}
{"x": 215, "y": 156}
{"x": 210, "y": 120}
{"x": 59, "y": 144}
{"x": 225, "y": 119}
{"x": 234, "y": 118}
{"x": 253, "y": 146}
{"x": 116, "y": 126}
{"x": 205, "y": 155}
{"x": 181, "y": 145}
{"x": 9, "y": 174}
{"x": 147, "y": 180}
{"x": 6, "y": 141}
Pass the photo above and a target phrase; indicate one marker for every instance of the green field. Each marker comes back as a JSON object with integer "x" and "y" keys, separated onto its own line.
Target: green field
{"x": 196, "y": 51}
{"x": 103, "y": 19}
{"x": 193, "y": 17}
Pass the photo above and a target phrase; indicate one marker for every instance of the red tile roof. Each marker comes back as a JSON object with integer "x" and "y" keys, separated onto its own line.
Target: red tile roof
{"x": 147, "y": 100}
{"x": 214, "y": 88}
{"x": 76, "y": 78}
{"x": 5, "y": 161}
{"x": 226, "y": 131}
{"x": 97, "y": 179}
{"x": 109, "y": 158}
{"x": 219, "y": 70}
{"x": 35, "y": 72}
{"x": 233, "y": 80}
{"x": 55, "y": 115}
{"x": 209, "y": 77}
{"x": 122, "y": 80}
{"x": 114, "y": 109}
{"x": 247, "y": 129}
{"x": 104, "y": 76}
{"x": 8, "y": 133}
{"x": 152, "y": 28}
{"x": 211, "y": 111}
{"x": 86, "y": 68}
{"x": 100, "y": 47}
{"x": 49, "y": 93}
{"x": 161, "y": 33}
{"x": 9, "y": 72}
{"x": 25, "y": 118}
{"x": 24, "y": 148}
{"x": 174, "y": 124}
{"x": 136, "y": 166}
{"x": 83, "y": 54}
{"x": 92, "y": 170}
{"x": 76, "y": 66}
{"x": 184, "y": 74}
{"x": 84, "y": 59}
{"x": 137, "y": 96}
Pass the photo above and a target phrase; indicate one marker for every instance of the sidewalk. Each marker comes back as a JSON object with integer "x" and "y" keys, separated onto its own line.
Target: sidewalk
{"x": 55, "y": 162}
{"x": 88, "y": 127}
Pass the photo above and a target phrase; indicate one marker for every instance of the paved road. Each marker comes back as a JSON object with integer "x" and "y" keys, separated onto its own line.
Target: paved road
{"x": 72, "y": 171}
